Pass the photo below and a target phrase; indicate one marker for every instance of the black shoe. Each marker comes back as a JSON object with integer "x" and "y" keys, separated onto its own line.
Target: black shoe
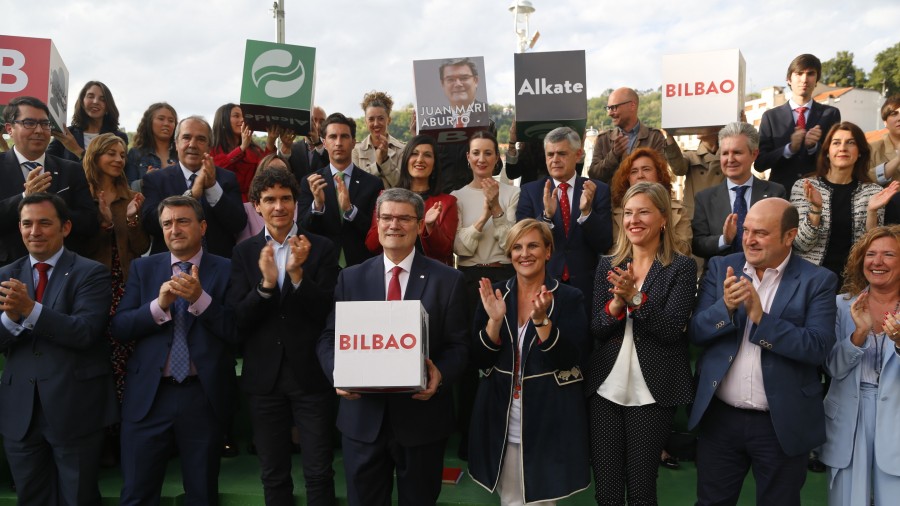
{"x": 229, "y": 449}
{"x": 669, "y": 463}
{"x": 815, "y": 465}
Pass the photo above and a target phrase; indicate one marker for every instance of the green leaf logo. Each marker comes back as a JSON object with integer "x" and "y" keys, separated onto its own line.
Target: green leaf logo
{"x": 276, "y": 74}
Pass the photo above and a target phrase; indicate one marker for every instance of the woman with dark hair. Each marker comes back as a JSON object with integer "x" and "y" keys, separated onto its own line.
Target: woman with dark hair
{"x": 420, "y": 172}
{"x": 95, "y": 113}
{"x": 153, "y": 146}
{"x": 647, "y": 164}
{"x": 861, "y": 447}
{"x": 379, "y": 152}
{"x": 119, "y": 240}
{"x": 528, "y": 436}
{"x": 232, "y": 146}
{"x": 639, "y": 371}
{"x": 840, "y": 202}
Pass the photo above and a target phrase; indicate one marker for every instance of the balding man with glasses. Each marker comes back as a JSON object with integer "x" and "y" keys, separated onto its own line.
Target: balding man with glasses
{"x": 627, "y": 135}
{"x": 27, "y": 169}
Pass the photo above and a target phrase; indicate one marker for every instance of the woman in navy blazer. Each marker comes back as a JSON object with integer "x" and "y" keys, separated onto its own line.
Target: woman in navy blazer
{"x": 862, "y": 445}
{"x": 639, "y": 369}
{"x": 528, "y": 437}
{"x": 95, "y": 113}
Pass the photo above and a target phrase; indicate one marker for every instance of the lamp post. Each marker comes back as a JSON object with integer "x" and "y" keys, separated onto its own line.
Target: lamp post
{"x": 522, "y": 10}
{"x": 278, "y": 11}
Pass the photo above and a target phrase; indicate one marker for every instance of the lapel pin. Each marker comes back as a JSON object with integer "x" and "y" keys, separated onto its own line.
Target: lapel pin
{"x": 421, "y": 276}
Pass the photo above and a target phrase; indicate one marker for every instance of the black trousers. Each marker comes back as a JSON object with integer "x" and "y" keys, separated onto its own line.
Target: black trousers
{"x": 273, "y": 414}
{"x": 626, "y": 442}
{"x": 732, "y": 441}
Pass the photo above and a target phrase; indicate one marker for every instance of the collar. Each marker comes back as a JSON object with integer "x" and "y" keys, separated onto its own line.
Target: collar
{"x": 794, "y": 105}
{"x": 194, "y": 259}
{"x": 367, "y": 142}
{"x": 186, "y": 172}
{"x": 571, "y": 181}
{"x": 22, "y": 158}
{"x": 348, "y": 171}
{"x": 748, "y": 182}
{"x": 290, "y": 234}
{"x": 778, "y": 271}
{"x": 406, "y": 263}
{"x": 53, "y": 260}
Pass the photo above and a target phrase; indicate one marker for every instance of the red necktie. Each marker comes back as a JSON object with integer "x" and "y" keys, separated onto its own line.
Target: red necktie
{"x": 801, "y": 119}
{"x": 394, "y": 285}
{"x": 566, "y": 218}
{"x": 42, "y": 269}
{"x": 459, "y": 122}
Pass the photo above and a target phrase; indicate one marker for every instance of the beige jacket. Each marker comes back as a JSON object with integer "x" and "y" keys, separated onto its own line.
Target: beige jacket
{"x": 700, "y": 168}
{"x": 389, "y": 171}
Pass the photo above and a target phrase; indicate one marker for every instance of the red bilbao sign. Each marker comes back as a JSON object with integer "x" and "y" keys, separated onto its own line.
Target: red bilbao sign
{"x": 33, "y": 67}
{"x": 702, "y": 91}
{"x": 377, "y": 342}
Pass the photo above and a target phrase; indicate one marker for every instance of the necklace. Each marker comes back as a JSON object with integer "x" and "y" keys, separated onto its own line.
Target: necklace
{"x": 878, "y": 343}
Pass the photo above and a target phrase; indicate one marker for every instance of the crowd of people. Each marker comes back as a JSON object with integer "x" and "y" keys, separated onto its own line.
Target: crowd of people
{"x": 561, "y": 312}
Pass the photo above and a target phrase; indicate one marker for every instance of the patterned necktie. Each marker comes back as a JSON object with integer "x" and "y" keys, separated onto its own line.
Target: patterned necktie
{"x": 566, "y": 218}
{"x": 393, "y": 292}
{"x": 29, "y": 166}
{"x": 191, "y": 181}
{"x": 740, "y": 209}
{"x": 42, "y": 269}
{"x": 801, "y": 119}
{"x": 179, "y": 356}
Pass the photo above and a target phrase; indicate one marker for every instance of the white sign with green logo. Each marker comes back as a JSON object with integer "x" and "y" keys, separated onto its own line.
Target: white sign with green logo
{"x": 278, "y": 86}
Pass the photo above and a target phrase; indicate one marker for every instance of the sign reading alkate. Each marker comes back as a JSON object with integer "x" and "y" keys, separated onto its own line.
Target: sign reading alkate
{"x": 702, "y": 91}
{"x": 34, "y": 68}
{"x": 279, "y": 82}
{"x": 380, "y": 345}
{"x": 550, "y": 93}
{"x": 451, "y": 97}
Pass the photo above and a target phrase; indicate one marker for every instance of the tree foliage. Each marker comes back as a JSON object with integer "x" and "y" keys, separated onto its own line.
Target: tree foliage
{"x": 886, "y": 73}
{"x": 840, "y": 71}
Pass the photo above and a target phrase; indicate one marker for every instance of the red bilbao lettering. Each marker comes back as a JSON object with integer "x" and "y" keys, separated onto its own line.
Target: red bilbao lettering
{"x": 699, "y": 88}
{"x": 376, "y": 342}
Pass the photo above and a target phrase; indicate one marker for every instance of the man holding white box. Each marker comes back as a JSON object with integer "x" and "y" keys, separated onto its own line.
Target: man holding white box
{"x": 384, "y": 433}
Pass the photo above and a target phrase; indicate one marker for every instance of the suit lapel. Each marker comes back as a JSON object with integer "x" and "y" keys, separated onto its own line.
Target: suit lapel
{"x": 26, "y": 276}
{"x": 722, "y": 201}
{"x": 330, "y": 193}
{"x": 13, "y": 170}
{"x": 418, "y": 277}
{"x": 759, "y": 191}
{"x": 815, "y": 116}
{"x": 787, "y": 287}
{"x": 58, "y": 277}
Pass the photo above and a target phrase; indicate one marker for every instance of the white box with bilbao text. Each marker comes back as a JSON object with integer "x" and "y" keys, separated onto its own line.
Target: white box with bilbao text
{"x": 702, "y": 92}
{"x": 380, "y": 346}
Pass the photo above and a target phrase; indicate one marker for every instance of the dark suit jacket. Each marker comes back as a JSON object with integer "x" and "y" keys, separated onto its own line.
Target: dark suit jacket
{"x": 347, "y": 235}
{"x": 713, "y": 205}
{"x": 209, "y": 339}
{"x": 57, "y": 149}
{"x": 586, "y": 242}
{"x": 658, "y": 327}
{"x": 224, "y": 221}
{"x": 775, "y": 131}
{"x": 288, "y": 325}
{"x": 442, "y": 292}
{"x": 300, "y": 163}
{"x": 65, "y": 356}
{"x": 795, "y": 337}
{"x": 68, "y": 182}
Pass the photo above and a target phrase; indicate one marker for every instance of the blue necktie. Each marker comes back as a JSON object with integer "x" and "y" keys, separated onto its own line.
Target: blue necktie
{"x": 179, "y": 356}
{"x": 31, "y": 165}
{"x": 740, "y": 209}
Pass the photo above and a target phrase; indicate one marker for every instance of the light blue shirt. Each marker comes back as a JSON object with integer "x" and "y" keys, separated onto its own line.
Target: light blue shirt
{"x": 732, "y": 194}
{"x": 282, "y": 252}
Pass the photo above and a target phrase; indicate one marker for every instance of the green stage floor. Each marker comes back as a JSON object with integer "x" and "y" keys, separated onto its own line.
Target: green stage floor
{"x": 239, "y": 486}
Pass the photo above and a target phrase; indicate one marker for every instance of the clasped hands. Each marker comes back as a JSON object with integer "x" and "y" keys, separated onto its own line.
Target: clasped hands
{"x": 740, "y": 290}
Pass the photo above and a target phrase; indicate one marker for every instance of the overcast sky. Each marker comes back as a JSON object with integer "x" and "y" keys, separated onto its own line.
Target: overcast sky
{"x": 190, "y": 53}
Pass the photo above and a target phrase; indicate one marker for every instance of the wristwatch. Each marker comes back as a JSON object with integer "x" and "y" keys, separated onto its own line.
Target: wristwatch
{"x": 542, "y": 323}
{"x": 636, "y": 299}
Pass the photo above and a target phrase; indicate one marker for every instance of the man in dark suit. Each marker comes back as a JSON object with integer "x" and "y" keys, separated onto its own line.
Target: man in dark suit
{"x": 179, "y": 386}
{"x": 308, "y": 155}
{"x": 338, "y": 200}
{"x": 790, "y": 133}
{"x": 27, "y": 169}
{"x": 402, "y": 432}
{"x": 196, "y": 176}
{"x": 282, "y": 286}
{"x": 765, "y": 319}
{"x": 57, "y": 389}
{"x": 578, "y": 237}
{"x": 718, "y": 213}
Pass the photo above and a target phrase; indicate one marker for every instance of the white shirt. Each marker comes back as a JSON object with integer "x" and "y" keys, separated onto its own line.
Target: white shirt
{"x": 406, "y": 265}
{"x": 742, "y": 386}
{"x": 348, "y": 172}
{"x": 282, "y": 252}
{"x": 625, "y": 384}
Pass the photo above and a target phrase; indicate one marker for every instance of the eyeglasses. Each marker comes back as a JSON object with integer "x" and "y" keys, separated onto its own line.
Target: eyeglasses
{"x": 402, "y": 219}
{"x": 615, "y": 107}
{"x": 31, "y": 124}
{"x": 461, "y": 79}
